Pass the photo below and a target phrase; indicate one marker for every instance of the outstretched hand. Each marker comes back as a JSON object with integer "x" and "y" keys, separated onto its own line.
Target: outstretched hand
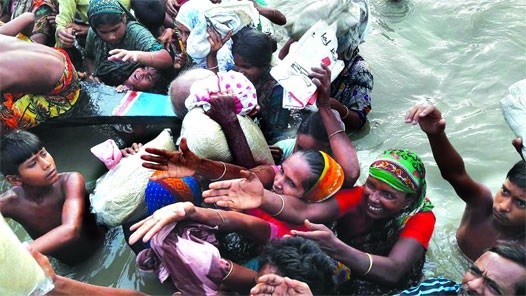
{"x": 239, "y": 194}
{"x": 124, "y": 55}
{"x": 150, "y": 226}
{"x": 429, "y": 118}
{"x": 174, "y": 164}
{"x": 274, "y": 284}
{"x": 321, "y": 234}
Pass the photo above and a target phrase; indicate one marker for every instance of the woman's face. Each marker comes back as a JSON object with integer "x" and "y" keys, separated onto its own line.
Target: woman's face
{"x": 143, "y": 78}
{"x": 383, "y": 201}
{"x": 289, "y": 180}
{"x": 307, "y": 142}
{"x": 184, "y": 32}
{"x": 112, "y": 34}
{"x": 253, "y": 73}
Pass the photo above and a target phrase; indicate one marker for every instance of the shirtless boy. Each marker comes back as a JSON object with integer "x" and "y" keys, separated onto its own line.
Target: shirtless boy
{"x": 52, "y": 207}
{"x": 486, "y": 219}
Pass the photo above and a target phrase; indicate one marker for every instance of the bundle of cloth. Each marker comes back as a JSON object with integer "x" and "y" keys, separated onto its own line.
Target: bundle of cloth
{"x": 119, "y": 194}
{"x": 514, "y": 110}
{"x": 351, "y": 17}
{"x": 226, "y": 17}
{"x": 200, "y": 130}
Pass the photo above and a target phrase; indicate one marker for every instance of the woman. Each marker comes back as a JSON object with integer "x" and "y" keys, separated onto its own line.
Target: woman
{"x": 391, "y": 221}
{"x": 309, "y": 175}
{"x": 116, "y": 44}
{"x": 293, "y": 257}
{"x": 351, "y": 90}
{"x": 324, "y": 131}
{"x": 195, "y": 34}
{"x": 252, "y": 52}
{"x": 146, "y": 79}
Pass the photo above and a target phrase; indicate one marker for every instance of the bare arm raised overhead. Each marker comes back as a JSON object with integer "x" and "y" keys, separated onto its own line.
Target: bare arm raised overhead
{"x": 449, "y": 161}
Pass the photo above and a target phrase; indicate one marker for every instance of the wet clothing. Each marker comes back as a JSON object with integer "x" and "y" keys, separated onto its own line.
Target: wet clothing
{"x": 24, "y": 111}
{"x": 437, "y": 286}
{"x": 379, "y": 240}
{"x": 167, "y": 191}
{"x": 71, "y": 9}
{"x": 186, "y": 252}
{"x": 273, "y": 118}
{"x": 42, "y": 10}
{"x": 353, "y": 87}
{"x": 114, "y": 73}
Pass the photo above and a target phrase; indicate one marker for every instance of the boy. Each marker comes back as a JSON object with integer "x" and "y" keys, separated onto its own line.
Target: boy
{"x": 485, "y": 219}
{"x": 52, "y": 207}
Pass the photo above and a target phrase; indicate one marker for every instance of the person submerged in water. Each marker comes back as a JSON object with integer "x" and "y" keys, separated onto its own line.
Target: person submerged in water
{"x": 52, "y": 207}
{"x": 485, "y": 219}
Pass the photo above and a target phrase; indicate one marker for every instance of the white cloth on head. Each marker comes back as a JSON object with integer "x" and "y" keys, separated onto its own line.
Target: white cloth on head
{"x": 351, "y": 16}
{"x": 197, "y": 16}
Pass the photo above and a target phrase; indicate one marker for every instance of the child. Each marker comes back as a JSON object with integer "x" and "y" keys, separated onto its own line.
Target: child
{"x": 116, "y": 44}
{"x": 485, "y": 219}
{"x": 52, "y": 207}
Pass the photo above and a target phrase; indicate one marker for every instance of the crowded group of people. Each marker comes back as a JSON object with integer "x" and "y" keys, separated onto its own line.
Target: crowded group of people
{"x": 294, "y": 223}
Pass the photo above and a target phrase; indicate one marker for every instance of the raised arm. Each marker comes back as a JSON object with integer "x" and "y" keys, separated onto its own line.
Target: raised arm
{"x": 342, "y": 148}
{"x": 449, "y": 162}
{"x": 20, "y": 24}
{"x": 72, "y": 217}
{"x": 222, "y": 111}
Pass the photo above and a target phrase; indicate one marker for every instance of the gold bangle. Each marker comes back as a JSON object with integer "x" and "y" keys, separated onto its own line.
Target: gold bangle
{"x": 282, "y": 206}
{"x": 336, "y": 132}
{"x": 222, "y": 175}
{"x": 230, "y": 271}
{"x": 370, "y": 263}
{"x": 220, "y": 216}
{"x": 346, "y": 114}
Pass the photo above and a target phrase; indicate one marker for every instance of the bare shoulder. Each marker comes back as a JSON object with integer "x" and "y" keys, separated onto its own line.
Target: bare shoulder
{"x": 72, "y": 183}
{"x": 10, "y": 200}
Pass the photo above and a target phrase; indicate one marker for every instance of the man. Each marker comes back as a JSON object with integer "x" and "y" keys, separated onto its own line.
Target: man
{"x": 499, "y": 271}
{"x": 486, "y": 219}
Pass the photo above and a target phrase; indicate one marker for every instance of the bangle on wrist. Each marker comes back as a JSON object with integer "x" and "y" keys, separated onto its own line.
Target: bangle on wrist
{"x": 222, "y": 175}
{"x": 346, "y": 113}
{"x": 282, "y": 206}
{"x": 212, "y": 68}
{"x": 335, "y": 133}
{"x": 370, "y": 264}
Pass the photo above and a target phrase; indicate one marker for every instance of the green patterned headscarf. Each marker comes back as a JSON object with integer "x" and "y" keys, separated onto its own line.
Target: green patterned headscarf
{"x": 97, "y": 7}
{"x": 404, "y": 171}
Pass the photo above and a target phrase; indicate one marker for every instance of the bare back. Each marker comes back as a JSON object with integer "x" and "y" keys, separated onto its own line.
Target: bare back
{"x": 27, "y": 67}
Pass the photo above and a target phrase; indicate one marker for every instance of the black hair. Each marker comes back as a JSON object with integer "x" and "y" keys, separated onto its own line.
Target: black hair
{"x": 517, "y": 174}
{"x": 15, "y": 148}
{"x": 313, "y": 126}
{"x": 316, "y": 163}
{"x": 150, "y": 13}
{"x": 514, "y": 252}
{"x": 301, "y": 259}
{"x": 254, "y": 47}
{"x": 106, "y": 19}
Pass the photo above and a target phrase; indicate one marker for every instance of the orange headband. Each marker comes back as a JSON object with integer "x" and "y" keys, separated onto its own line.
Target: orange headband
{"x": 329, "y": 182}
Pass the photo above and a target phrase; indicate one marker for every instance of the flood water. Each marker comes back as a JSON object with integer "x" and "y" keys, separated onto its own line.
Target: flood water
{"x": 461, "y": 55}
